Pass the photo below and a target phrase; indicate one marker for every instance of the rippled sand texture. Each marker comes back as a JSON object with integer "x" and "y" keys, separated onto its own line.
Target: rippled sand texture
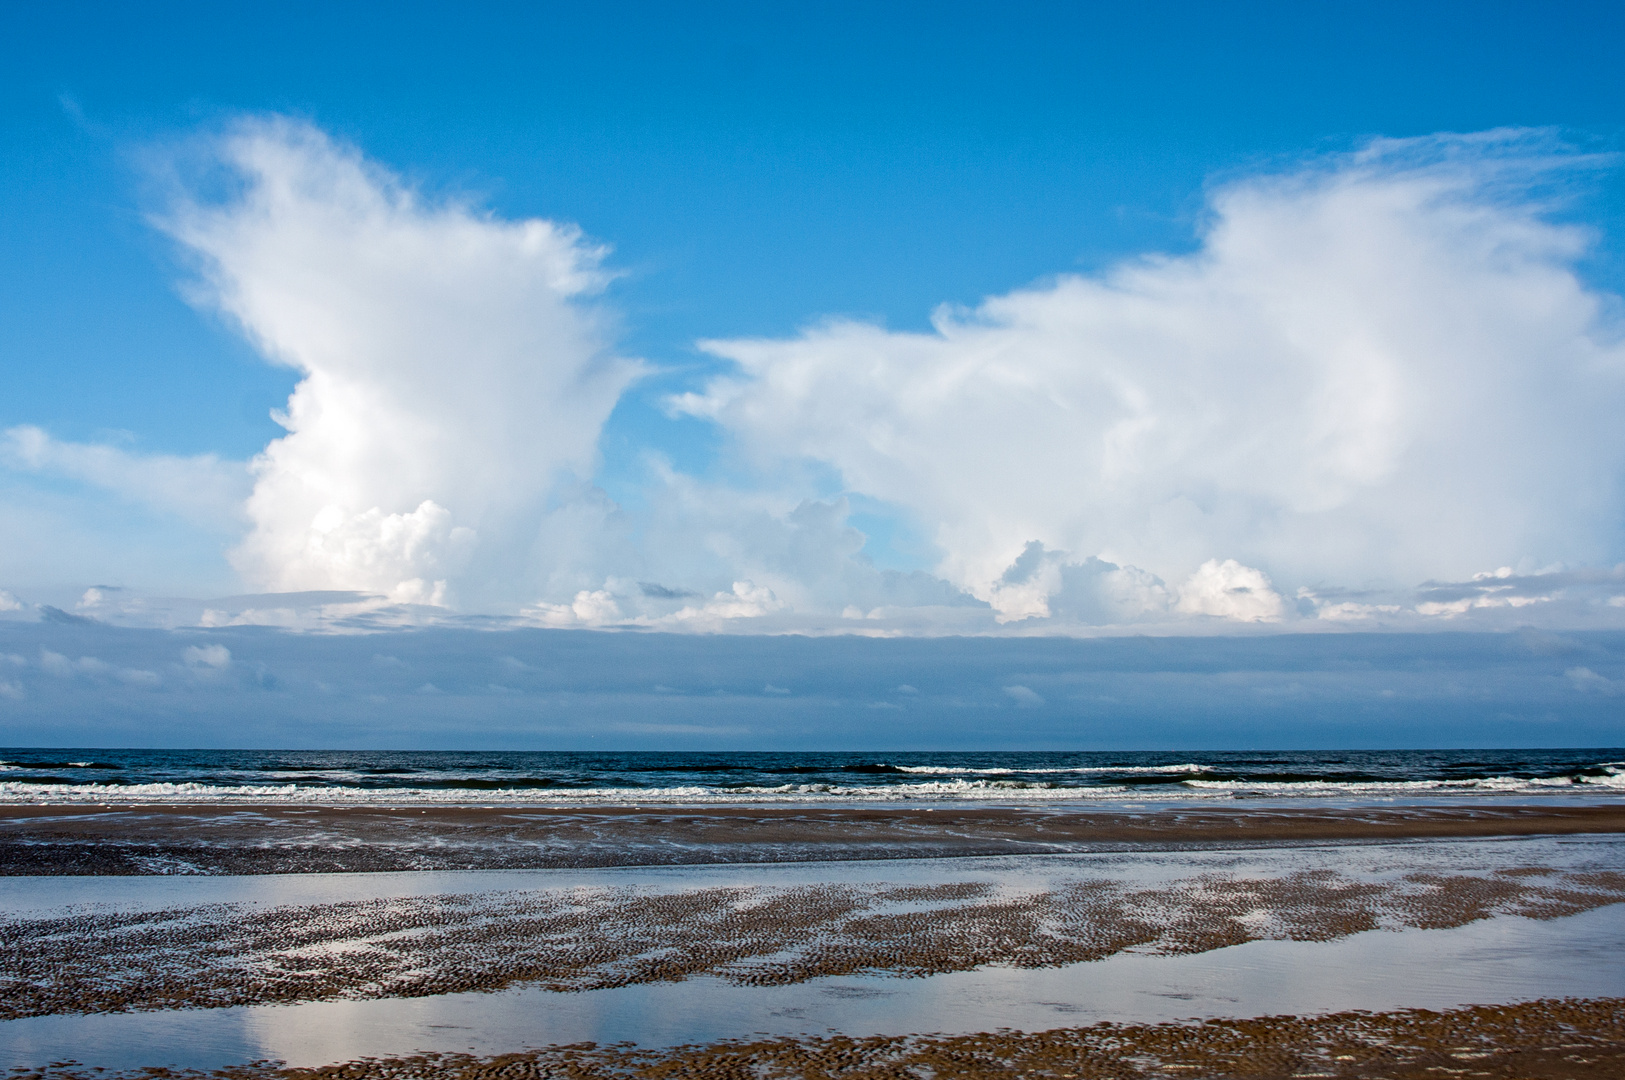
{"x": 595, "y": 937}
{"x": 1541, "y": 1040}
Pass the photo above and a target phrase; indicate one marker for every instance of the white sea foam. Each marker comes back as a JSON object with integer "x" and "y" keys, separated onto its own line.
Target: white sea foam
{"x": 977, "y": 789}
{"x": 1497, "y": 785}
{"x": 1078, "y": 770}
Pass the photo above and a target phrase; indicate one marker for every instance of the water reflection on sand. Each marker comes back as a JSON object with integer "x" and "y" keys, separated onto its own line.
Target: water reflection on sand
{"x": 1500, "y": 959}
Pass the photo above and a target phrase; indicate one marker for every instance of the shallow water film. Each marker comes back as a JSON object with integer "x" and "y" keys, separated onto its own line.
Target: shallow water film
{"x": 316, "y": 970}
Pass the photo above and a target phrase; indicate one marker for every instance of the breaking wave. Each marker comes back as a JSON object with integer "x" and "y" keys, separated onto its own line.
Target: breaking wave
{"x": 125, "y": 777}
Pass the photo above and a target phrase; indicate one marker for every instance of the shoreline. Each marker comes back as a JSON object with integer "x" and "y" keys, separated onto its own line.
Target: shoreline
{"x": 248, "y": 839}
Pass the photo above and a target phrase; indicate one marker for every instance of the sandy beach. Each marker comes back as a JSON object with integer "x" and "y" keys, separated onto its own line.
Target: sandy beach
{"x": 834, "y": 541}
{"x": 563, "y": 940}
{"x": 1375, "y": 941}
{"x": 249, "y": 838}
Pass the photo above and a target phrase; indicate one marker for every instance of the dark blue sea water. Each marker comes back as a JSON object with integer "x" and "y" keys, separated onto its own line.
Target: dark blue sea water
{"x": 100, "y": 775}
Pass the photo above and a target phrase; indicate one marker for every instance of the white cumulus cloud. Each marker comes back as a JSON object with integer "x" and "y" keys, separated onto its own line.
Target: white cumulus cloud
{"x": 454, "y": 370}
{"x": 1231, "y": 591}
{"x": 217, "y": 657}
{"x": 1379, "y": 386}
{"x": 1375, "y": 371}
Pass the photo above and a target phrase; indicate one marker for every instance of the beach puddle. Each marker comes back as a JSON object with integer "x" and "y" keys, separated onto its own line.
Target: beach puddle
{"x": 1487, "y": 956}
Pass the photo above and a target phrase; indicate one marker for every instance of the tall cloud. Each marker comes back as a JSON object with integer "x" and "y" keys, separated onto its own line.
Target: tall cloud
{"x": 1372, "y": 373}
{"x": 455, "y": 370}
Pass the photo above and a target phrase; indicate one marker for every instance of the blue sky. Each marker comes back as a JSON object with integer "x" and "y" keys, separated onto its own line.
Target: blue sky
{"x": 754, "y": 167}
{"x": 1182, "y": 320}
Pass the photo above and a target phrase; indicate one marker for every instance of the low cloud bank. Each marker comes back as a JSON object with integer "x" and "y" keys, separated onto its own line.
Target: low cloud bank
{"x": 67, "y": 682}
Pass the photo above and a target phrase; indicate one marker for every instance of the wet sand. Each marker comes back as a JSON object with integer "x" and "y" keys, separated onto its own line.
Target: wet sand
{"x": 281, "y": 839}
{"x": 577, "y": 938}
{"x": 1318, "y": 875}
{"x": 1554, "y": 1039}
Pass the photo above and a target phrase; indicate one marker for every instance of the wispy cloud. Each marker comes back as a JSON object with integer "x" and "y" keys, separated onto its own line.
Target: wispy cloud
{"x": 203, "y": 489}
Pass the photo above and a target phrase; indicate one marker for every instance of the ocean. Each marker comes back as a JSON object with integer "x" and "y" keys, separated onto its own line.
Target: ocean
{"x": 557, "y": 778}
